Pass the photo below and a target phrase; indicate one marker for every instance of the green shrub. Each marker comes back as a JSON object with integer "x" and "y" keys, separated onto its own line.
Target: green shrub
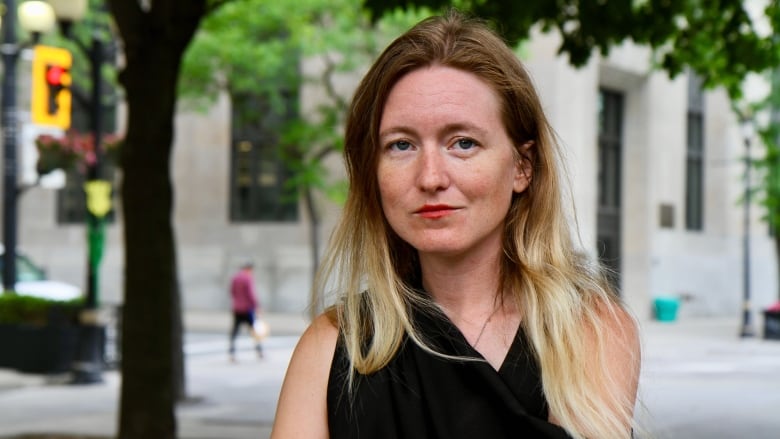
{"x": 16, "y": 308}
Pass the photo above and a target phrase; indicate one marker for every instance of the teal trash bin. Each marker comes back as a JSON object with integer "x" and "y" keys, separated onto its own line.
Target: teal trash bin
{"x": 666, "y": 308}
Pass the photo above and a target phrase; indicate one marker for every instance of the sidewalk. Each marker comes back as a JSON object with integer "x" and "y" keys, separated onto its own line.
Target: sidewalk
{"x": 699, "y": 380}
{"x": 221, "y": 322}
{"x": 195, "y": 321}
{"x": 226, "y": 400}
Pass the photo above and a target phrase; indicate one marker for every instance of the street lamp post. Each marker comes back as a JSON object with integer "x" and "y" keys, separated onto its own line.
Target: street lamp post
{"x": 747, "y": 325}
{"x": 67, "y": 13}
{"x": 36, "y": 17}
{"x": 87, "y": 368}
{"x": 94, "y": 173}
{"x": 9, "y": 120}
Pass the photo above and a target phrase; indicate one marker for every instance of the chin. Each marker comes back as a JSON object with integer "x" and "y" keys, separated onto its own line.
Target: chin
{"x": 440, "y": 250}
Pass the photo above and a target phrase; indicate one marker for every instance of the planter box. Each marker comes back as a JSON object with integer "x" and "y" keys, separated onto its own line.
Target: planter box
{"x": 38, "y": 348}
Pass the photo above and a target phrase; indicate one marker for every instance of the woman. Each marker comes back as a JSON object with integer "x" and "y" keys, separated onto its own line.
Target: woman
{"x": 463, "y": 307}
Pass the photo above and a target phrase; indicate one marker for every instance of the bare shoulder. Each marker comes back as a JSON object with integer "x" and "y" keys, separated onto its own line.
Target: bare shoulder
{"x": 621, "y": 348}
{"x": 302, "y": 408}
{"x": 621, "y": 326}
{"x": 618, "y": 335}
{"x": 319, "y": 338}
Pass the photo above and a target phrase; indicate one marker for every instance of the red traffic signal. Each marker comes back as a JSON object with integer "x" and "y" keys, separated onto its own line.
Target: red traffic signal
{"x": 54, "y": 75}
{"x": 55, "y": 80}
{"x": 51, "y": 97}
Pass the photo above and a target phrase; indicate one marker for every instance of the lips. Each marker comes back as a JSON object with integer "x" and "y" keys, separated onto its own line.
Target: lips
{"x": 433, "y": 211}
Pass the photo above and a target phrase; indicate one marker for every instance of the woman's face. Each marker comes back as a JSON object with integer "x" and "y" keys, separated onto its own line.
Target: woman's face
{"x": 447, "y": 169}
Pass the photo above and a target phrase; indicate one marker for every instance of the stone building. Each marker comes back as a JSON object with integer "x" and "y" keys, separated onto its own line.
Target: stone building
{"x": 655, "y": 166}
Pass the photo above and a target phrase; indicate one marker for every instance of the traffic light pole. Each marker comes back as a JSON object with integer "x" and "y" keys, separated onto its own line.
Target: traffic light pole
{"x": 88, "y": 363}
{"x": 95, "y": 223}
{"x": 87, "y": 368}
{"x": 10, "y": 53}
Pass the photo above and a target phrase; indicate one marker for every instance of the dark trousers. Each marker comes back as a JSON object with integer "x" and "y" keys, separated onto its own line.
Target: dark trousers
{"x": 241, "y": 318}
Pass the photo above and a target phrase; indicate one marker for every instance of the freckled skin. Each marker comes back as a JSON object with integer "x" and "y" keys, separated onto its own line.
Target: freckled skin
{"x": 446, "y": 170}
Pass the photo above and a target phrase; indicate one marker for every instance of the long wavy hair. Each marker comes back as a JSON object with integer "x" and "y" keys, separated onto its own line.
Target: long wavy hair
{"x": 559, "y": 290}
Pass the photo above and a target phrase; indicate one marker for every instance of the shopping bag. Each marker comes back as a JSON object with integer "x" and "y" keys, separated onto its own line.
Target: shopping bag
{"x": 262, "y": 330}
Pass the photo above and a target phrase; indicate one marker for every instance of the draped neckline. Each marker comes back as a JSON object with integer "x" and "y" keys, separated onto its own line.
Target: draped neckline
{"x": 450, "y": 334}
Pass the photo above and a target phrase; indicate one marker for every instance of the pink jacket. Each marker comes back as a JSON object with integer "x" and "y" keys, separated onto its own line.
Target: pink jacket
{"x": 242, "y": 291}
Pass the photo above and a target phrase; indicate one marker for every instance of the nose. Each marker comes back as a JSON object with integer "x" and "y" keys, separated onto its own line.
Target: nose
{"x": 432, "y": 172}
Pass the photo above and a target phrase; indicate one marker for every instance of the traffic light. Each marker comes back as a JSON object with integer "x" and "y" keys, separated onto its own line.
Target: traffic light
{"x": 51, "y": 97}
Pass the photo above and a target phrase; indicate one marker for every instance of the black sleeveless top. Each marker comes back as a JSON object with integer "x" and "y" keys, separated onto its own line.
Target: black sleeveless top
{"x": 421, "y": 395}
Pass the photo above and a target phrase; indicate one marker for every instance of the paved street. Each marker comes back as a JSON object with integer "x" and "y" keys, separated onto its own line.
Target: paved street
{"x": 226, "y": 400}
{"x": 702, "y": 381}
{"x": 699, "y": 381}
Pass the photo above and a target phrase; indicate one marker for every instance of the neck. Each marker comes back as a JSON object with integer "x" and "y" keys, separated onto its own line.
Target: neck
{"x": 463, "y": 287}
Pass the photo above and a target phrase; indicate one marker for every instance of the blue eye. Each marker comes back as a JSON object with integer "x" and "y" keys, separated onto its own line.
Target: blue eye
{"x": 465, "y": 143}
{"x": 401, "y": 145}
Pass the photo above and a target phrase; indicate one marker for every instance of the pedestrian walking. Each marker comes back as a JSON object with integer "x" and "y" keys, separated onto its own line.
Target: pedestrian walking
{"x": 245, "y": 306}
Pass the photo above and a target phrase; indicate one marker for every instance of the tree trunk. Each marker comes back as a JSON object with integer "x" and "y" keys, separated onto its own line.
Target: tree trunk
{"x": 148, "y": 391}
{"x": 154, "y": 40}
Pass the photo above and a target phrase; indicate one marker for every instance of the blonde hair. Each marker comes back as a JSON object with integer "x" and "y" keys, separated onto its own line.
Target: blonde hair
{"x": 560, "y": 291}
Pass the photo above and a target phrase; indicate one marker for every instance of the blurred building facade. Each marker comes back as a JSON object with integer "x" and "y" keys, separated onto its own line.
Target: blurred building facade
{"x": 655, "y": 166}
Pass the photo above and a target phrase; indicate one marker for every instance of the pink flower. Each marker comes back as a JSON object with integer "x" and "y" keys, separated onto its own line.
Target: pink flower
{"x": 74, "y": 150}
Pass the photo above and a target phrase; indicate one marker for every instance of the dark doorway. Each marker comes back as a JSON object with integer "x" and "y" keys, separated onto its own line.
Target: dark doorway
{"x": 610, "y": 139}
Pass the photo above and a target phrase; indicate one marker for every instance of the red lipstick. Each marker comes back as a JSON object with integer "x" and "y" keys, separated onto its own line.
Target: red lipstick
{"x": 433, "y": 211}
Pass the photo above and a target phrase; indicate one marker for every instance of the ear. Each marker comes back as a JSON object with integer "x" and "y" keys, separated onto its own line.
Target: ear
{"x": 524, "y": 166}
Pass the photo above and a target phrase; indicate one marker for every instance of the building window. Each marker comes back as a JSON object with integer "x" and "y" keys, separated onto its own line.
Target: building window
{"x": 71, "y": 202}
{"x": 694, "y": 167}
{"x": 258, "y": 190}
{"x": 610, "y": 175}
{"x": 610, "y": 149}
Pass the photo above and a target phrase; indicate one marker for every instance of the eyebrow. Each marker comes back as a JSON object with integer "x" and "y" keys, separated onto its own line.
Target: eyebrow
{"x": 447, "y": 129}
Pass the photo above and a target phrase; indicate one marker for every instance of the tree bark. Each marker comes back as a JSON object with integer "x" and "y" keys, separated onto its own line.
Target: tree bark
{"x": 148, "y": 395}
{"x": 154, "y": 41}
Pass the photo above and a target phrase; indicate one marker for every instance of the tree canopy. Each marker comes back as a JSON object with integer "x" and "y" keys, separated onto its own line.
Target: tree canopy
{"x": 720, "y": 41}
